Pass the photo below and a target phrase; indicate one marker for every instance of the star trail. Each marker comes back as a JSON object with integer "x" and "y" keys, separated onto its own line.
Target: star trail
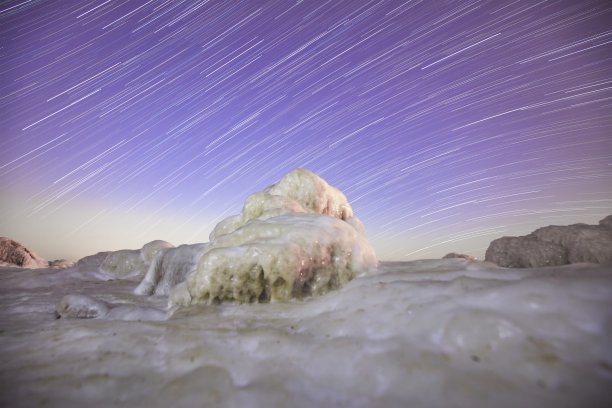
{"x": 447, "y": 124}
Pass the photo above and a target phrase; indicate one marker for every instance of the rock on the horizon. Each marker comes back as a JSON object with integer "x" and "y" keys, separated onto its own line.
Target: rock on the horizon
{"x": 12, "y": 252}
{"x": 456, "y": 255}
{"x": 296, "y": 238}
{"x": 555, "y": 245}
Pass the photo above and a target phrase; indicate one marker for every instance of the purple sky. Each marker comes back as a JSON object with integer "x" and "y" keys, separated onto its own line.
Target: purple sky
{"x": 446, "y": 123}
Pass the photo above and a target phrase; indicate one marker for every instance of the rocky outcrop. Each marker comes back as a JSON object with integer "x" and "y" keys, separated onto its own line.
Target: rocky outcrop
{"x": 170, "y": 267}
{"x": 555, "y": 245}
{"x": 12, "y": 252}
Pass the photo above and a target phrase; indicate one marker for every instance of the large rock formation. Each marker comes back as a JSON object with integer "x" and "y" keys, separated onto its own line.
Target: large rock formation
{"x": 555, "y": 245}
{"x": 296, "y": 238}
{"x": 12, "y": 252}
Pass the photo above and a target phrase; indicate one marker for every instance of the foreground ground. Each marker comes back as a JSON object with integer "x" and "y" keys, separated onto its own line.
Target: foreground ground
{"x": 440, "y": 333}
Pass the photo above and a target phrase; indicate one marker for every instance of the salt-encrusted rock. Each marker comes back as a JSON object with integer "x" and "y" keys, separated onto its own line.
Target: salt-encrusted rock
{"x": 132, "y": 262}
{"x": 456, "y": 255}
{"x": 81, "y": 307}
{"x": 92, "y": 261}
{"x": 150, "y": 250}
{"x": 296, "y": 238}
{"x": 170, "y": 267}
{"x": 12, "y": 252}
{"x": 555, "y": 245}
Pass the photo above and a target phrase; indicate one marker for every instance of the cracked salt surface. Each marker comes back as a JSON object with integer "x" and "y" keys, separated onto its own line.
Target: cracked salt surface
{"x": 435, "y": 333}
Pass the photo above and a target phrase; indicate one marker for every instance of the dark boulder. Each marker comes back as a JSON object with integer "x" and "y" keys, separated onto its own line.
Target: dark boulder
{"x": 555, "y": 245}
{"x": 61, "y": 264}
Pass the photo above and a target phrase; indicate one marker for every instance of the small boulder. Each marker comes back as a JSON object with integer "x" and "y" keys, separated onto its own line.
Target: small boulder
{"x": 80, "y": 307}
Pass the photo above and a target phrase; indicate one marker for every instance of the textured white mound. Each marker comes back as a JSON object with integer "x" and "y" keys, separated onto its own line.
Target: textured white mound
{"x": 296, "y": 238}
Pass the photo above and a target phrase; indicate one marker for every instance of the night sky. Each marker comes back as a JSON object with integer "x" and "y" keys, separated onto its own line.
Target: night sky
{"x": 447, "y": 124}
